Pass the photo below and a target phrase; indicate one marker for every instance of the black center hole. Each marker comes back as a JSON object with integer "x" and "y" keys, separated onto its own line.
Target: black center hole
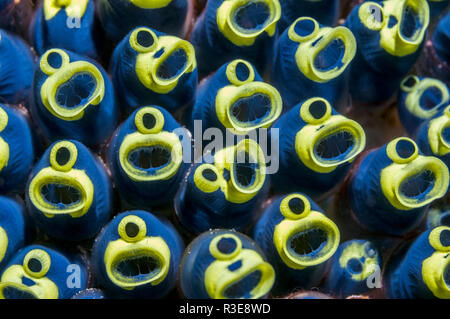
{"x": 318, "y": 109}
{"x": 149, "y": 121}
{"x": 226, "y": 245}
{"x": 34, "y": 265}
{"x": 444, "y": 237}
{"x": 242, "y": 71}
{"x": 410, "y": 82}
{"x": 405, "y": 148}
{"x": 132, "y": 230}
{"x": 55, "y": 60}
{"x": 145, "y": 39}
{"x": 209, "y": 175}
{"x": 63, "y": 156}
{"x": 297, "y": 206}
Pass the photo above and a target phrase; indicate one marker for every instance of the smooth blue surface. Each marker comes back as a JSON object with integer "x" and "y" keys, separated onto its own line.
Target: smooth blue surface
{"x": 339, "y": 281}
{"x": 15, "y": 223}
{"x": 64, "y": 226}
{"x": 17, "y": 134}
{"x": 59, "y": 270}
{"x": 213, "y": 49}
{"x": 294, "y": 86}
{"x": 144, "y": 194}
{"x": 404, "y": 279}
{"x": 204, "y": 109}
{"x": 133, "y": 94}
{"x": 197, "y": 258}
{"x": 97, "y": 123}
{"x": 287, "y": 278}
{"x": 199, "y": 211}
{"x": 293, "y": 175}
{"x": 16, "y": 69}
{"x": 119, "y": 17}
{"x": 156, "y": 227}
{"x": 325, "y": 12}
{"x": 64, "y": 32}
{"x": 423, "y": 141}
{"x": 370, "y": 207}
{"x": 410, "y": 121}
{"x": 375, "y": 74}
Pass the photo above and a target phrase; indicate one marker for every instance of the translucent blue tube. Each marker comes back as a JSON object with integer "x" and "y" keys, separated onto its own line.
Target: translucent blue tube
{"x": 297, "y": 239}
{"x": 16, "y": 73}
{"x": 421, "y": 269}
{"x": 73, "y": 98}
{"x": 390, "y": 35}
{"x": 419, "y": 99}
{"x": 317, "y": 147}
{"x": 39, "y": 272}
{"x": 235, "y": 100}
{"x": 151, "y": 68}
{"x": 231, "y": 29}
{"x": 69, "y": 193}
{"x": 391, "y": 189}
{"x": 433, "y": 136}
{"x": 223, "y": 263}
{"x": 223, "y": 191}
{"x": 146, "y": 157}
{"x": 313, "y": 60}
{"x": 137, "y": 256}
{"x": 326, "y": 12}
{"x": 17, "y": 153}
{"x": 14, "y": 229}
{"x": 440, "y": 40}
{"x": 68, "y": 24}
{"x": 119, "y": 17}
{"x": 352, "y": 265}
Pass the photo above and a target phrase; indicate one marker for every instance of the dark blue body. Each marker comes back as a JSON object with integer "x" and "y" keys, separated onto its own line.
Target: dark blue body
{"x": 293, "y": 175}
{"x": 16, "y": 224}
{"x": 287, "y": 278}
{"x": 294, "y": 86}
{"x": 60, "y": 269}
{"x": 197, "y": 258}
{"x": 133, "y": 94}
{"x": 441, "y": 39}
{"x": 119, "y": 17}
{"x": 325, "y": 12}
{"x": 64, "y": 226}
{"x": 156, "y": 227}
{"x": 410, "y": 121}
{"x": 204, "y": 109}
{"x": 423, "y": 141}
{"x": 16, "y": 70}
{"x": 339, "y": 281}
{"x": 97, "y": 123}
{"x": 17, "y": 134}
{"x": 375, "y": 74}
{"x": 370, "y": 206}
{"x": 213, "y": 49}
{"x": 64, "y": 32}
{"x": 199, "y": 211}
{"x": 404, "y": 277}
{"x": 145, "y": 193}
